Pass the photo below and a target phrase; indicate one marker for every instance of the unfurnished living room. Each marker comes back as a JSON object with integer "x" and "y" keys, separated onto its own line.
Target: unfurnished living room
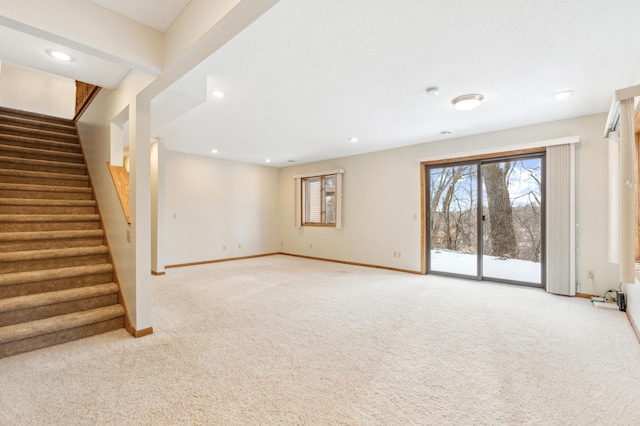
{"x": 319, "y": 212}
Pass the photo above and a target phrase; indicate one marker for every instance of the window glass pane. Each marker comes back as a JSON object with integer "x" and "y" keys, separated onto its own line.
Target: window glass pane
{"x": 330, "y": 199}
{"x": 313, "y": 210}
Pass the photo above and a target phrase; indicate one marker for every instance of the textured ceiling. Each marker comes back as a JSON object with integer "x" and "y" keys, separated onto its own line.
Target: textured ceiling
{"x": 157, "y": 14}
{"x": 309, "y": 74}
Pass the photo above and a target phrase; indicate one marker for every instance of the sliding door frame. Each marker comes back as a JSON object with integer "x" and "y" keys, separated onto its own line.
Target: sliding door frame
{"x": 479, "y": 159}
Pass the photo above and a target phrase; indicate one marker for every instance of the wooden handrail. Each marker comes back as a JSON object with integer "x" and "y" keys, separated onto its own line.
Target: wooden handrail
{"x": 120, "y": 177}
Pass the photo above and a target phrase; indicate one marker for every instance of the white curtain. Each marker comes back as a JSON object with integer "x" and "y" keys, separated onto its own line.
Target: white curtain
{"x": 561, "y": 219}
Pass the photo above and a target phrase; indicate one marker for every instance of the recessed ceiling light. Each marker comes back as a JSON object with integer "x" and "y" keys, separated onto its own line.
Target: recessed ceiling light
{"x": 214, "y": 151}
{"x": 61, "y": 56}
{"x": 218, "y": 94}
{"x": 563, "y": 95}
{"x": 267, "y": 160}
{"x": 467, "y": 102}
{"x": 353, "y": 139}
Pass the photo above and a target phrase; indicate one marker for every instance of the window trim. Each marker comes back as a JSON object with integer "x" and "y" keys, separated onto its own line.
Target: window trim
{"x": 299, "y": 199}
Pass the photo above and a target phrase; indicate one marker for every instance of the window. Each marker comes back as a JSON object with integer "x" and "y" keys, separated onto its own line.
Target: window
{"x": 319, "y": 200}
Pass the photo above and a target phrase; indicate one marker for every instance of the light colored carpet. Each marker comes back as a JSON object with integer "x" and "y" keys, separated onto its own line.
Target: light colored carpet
{"x": 284, "y": 340}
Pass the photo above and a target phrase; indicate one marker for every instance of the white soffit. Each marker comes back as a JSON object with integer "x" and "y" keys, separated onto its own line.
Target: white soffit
{"x": 156, "y": 14}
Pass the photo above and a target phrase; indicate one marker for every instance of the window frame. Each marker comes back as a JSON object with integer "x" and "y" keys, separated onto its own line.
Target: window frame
{"x": 323, "y": 198}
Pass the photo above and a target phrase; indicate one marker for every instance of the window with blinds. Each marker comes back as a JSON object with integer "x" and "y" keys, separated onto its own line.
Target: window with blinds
{"x": 319, "y": 200}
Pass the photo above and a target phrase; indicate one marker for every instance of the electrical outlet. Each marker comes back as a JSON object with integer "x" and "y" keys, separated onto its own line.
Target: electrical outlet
{"x": 310, "y": 246}
{"x": 239, "y": 246}
{"x": 224, "y": 248}
{"x": 128, "y": 235}
{"x": 591, "y": 273}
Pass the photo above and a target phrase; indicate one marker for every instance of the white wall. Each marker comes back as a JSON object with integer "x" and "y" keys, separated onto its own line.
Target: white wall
{"x": 36, "y": 91}
{"x": 382, "y": 208}
{"x": 95, "y": 132}
{"x": 218, "y": 209}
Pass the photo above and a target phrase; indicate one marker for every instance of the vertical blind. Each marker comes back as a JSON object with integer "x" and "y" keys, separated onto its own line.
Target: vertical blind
{"x": 561, "y": 220}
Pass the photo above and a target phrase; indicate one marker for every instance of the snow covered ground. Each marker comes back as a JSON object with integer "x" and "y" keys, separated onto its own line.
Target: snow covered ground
{"x": 493, "y": 267}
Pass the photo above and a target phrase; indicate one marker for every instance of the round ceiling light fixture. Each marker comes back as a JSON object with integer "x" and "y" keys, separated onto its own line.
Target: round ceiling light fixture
{"x": 563, "y": 95}
{"x": 218, "y": 93}
{"x": 61, "y": 56}
{"x": 353, "y": 139}
{"x": 467, "y": 102}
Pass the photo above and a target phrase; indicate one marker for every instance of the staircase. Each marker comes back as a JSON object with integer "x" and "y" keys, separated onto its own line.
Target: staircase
{"x": 56, "y": 279}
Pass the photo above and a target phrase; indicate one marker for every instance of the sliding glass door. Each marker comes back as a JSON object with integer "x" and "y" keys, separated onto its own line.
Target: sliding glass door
{"x": 486, "y": 219}
{"x": 454, "y": 219}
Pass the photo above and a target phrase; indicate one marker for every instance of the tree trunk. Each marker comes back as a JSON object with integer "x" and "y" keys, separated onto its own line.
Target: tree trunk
{"x": 502, "y": 235}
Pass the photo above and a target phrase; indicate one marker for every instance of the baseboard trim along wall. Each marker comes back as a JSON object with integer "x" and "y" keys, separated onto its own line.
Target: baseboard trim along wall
{"x": 228, "y": 259}
{"x": 355, "y": 263}
{"x": 634, "y": 326}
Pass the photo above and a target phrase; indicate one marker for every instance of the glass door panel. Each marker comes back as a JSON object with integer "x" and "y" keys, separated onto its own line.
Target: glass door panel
{"x": 512, "y": 220}
{"x": 453, "y": 220}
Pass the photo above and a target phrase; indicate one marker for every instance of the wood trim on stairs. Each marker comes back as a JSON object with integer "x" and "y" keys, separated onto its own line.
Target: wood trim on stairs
{"x": 87, "y": 101}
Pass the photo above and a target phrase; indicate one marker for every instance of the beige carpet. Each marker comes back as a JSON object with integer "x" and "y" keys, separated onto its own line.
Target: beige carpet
{"x": 283, "y": 340}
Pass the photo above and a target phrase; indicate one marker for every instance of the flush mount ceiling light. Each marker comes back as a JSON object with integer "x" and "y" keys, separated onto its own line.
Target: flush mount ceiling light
{"x": 214, "y": 151}
{"x": 563, "y": 95}
{"x": 61, "y": 56}
{"x": 353, "y": 139}
{"x": 467, "y": 102}
{"x": 267, "y": 160}
{"x": 218, "y": 93}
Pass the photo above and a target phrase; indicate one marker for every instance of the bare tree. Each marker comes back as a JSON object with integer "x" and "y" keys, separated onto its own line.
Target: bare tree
{"x": 502, "y": 234}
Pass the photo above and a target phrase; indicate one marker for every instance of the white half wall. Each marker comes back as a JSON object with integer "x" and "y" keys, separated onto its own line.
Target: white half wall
{"x": 218, "y": 209}
{"x": 382, "y": 211}
{"x": 27, "y": 89}
{"x": 94, "y": 128}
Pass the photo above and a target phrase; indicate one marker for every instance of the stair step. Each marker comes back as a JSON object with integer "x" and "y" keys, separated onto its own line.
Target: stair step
{"x": 27, "y": 177}
{"x": 31, "y": 123}
{"x": 17, "y": 163}
{"x": 59, "y": 329}
{"x": 21, "y": 241}
{"x": 30, "y": 142}
{"x": 44, "y": 305}
{"x": 40, "y": 154}
{"x": 9, "y": 129}
{"x": 33, "y": 260}
{"x": 32, "y": 282}
{"x": 19, "y": 190}
{"x": 33, "y": 116}
{"x": 44, "y": 222}
{"x": 41, "y": 206}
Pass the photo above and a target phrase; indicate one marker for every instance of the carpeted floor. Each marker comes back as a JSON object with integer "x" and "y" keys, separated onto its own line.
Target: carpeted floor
{"x": 284, "y": 340}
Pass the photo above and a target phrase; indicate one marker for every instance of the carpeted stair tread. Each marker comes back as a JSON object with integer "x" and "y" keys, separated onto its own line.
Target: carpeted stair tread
{"x": 10, "y": 129}
{"x": 41, "y": 299}
{"x": 26, "y": 330}
{"x": 50, "y": 235}
{"x": 31, "y": 123}
{"x": 20, "y": 163}
{"x": 20, "y": 151}
{"x": 34, "y": 116}
{"x": 18, "y": 256}
{"x": 30, "y": 141}
{"x": 82, "y": 179}
{"x": 51, "y": 274}
{"x": 44, "y": 188}
{"x": 49, "y": 218}
{"x": 46, "y": 202}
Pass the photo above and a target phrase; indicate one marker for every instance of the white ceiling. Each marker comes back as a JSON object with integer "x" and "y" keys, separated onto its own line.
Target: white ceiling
{"x": 310, "y": 74}
{"x": 157, "y": 14}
